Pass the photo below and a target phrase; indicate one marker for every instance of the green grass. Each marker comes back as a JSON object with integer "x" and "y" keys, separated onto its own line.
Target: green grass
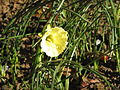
{"x": 82, "y": 19}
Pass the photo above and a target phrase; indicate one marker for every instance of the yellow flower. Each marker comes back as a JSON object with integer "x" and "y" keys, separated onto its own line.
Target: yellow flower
{"x": 54, "y": 41}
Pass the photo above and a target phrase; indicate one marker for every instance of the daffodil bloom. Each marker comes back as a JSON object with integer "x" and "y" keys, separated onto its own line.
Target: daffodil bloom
{"x": 54, "y": 41}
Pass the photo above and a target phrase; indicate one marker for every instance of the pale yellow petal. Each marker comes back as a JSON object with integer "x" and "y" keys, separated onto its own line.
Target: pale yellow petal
{"x": 54, "y": 41}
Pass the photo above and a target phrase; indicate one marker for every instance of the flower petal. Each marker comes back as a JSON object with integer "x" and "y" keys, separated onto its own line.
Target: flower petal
{"x": 54, "y": 41}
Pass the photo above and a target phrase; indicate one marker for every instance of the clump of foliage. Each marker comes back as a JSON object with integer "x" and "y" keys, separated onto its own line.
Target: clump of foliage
{"x": 93, "y": 28}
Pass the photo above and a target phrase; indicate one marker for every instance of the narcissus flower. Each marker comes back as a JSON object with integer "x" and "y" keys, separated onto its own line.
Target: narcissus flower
{"x": 54, "y": 41}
